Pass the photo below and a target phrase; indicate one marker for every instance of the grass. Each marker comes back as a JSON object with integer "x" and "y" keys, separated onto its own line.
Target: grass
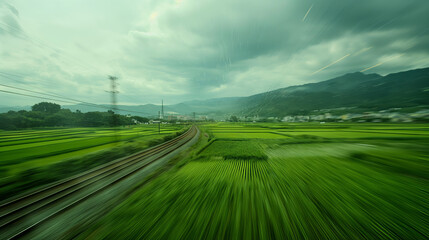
{"x": 30, "y": 158}
{"x": 310, "y": 186}
{"x": 247, "y": 135}
{"x": 242, "y": 150}
{"x": 18, "y": 147}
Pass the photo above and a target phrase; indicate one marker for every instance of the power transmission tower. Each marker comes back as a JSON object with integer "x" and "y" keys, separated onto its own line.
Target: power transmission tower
{"x": 113, "y": 92}
{"x": 113, "y": 107}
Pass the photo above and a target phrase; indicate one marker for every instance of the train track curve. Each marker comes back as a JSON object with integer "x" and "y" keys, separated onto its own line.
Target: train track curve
{"x": 20, "y": 216}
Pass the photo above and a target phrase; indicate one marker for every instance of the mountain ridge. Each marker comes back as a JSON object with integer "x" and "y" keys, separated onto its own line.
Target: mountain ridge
{"x": 402, "y": 89}
{"x": 358, "y": 90}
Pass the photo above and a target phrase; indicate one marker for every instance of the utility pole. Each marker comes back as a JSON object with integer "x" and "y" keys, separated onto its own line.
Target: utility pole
{"x": 162, "y": 109}
{"x": 159, "y": 122}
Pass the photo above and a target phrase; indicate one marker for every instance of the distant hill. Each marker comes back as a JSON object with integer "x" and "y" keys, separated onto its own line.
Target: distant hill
{"x": 216, "y": 105}
{"x": 354, "y": 90}
{"x": 358, "y": 90}
{"x": 211, "y": 105}
{"x": 4, "y": 109}
{"x": 137, "y": 110}
{"x": 362, "y": 92}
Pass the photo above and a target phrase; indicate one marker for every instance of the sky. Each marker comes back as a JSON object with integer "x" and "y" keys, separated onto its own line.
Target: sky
{"x": 181, "y": 50}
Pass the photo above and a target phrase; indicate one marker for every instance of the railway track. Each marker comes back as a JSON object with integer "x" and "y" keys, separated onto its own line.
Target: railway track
{"x": 22, "y": 215}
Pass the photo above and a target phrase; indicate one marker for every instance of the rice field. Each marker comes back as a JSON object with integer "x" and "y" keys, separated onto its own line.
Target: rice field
{"x": 331, "y": 130}
{"x": 26, "y": 153}
{"x": 262, "y": 135}
{"x": 241, "y": 150}
{"x": 331, "y": 182}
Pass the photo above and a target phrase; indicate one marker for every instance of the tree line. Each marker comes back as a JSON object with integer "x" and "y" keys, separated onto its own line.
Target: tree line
{"x": 47, "y": 114}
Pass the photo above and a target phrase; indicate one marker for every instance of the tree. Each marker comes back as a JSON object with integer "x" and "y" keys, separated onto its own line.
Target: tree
{"x": 233, "y": 119}
{"x": 55, "y": 120}
{"x": 46, "y": 107}
{"x": 93, "y": 119}
{"x": 141, "y": 119}
{"x": 6, "y": 123}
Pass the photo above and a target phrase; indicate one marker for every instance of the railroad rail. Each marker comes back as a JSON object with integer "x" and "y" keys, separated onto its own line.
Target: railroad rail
{"x": 20, "y": 216}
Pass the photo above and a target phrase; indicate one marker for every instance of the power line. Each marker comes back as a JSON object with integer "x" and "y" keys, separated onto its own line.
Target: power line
{"x": 129, "y": 98}
{"x": 60, "y": 99}
{"x": 20, "y": 33}
{"x": 28, "y": 95}
{"x": 85, "y": 103}
{"x": 65, "y": 101}
{"x": 43, "y": 93}
{"x": 15, "y": 76}
{"x": 10, "y": 74}
{"x": 47, "y": 94}
{"x": 23, "y": 35}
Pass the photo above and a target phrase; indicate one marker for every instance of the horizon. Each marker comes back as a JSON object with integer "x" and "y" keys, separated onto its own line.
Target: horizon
{"x": 158, "y": 51}
{"x": 208, "y": 99}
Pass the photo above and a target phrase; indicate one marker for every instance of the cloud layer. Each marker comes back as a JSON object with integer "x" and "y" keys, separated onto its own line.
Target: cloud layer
{"x": 180, "y": 50}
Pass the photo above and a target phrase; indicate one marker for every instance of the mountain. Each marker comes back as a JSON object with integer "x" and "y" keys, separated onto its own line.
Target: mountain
{"x": 4, "y": 109}
{"x": 147, "y": 110}
{"x": 210, "y": 106}
{"x": 355, "y": 90}
{"x": 359, "y": 91}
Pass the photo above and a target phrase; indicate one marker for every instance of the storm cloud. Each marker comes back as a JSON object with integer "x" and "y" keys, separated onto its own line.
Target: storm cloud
{"x": 179, "y": 50}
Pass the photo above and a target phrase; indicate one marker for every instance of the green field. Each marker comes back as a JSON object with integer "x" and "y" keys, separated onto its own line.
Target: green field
{"x": 286, "y": 181}
{"x": 47, "y": 155}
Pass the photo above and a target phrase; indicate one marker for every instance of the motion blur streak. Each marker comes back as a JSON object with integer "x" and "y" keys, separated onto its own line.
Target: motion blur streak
{"x": 303, "y": 19}
{"x": 362, "y": 51}
{"x": 381, "y": 63}
{"x": 333, "y": 63}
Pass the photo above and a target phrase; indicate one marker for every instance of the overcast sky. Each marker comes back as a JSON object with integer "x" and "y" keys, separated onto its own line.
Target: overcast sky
{"x": 180, "y": 50}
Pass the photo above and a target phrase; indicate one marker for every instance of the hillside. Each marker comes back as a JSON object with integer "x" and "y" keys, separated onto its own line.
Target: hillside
{"x": 357, "y": 90}
{"x": 362, "y": 92}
